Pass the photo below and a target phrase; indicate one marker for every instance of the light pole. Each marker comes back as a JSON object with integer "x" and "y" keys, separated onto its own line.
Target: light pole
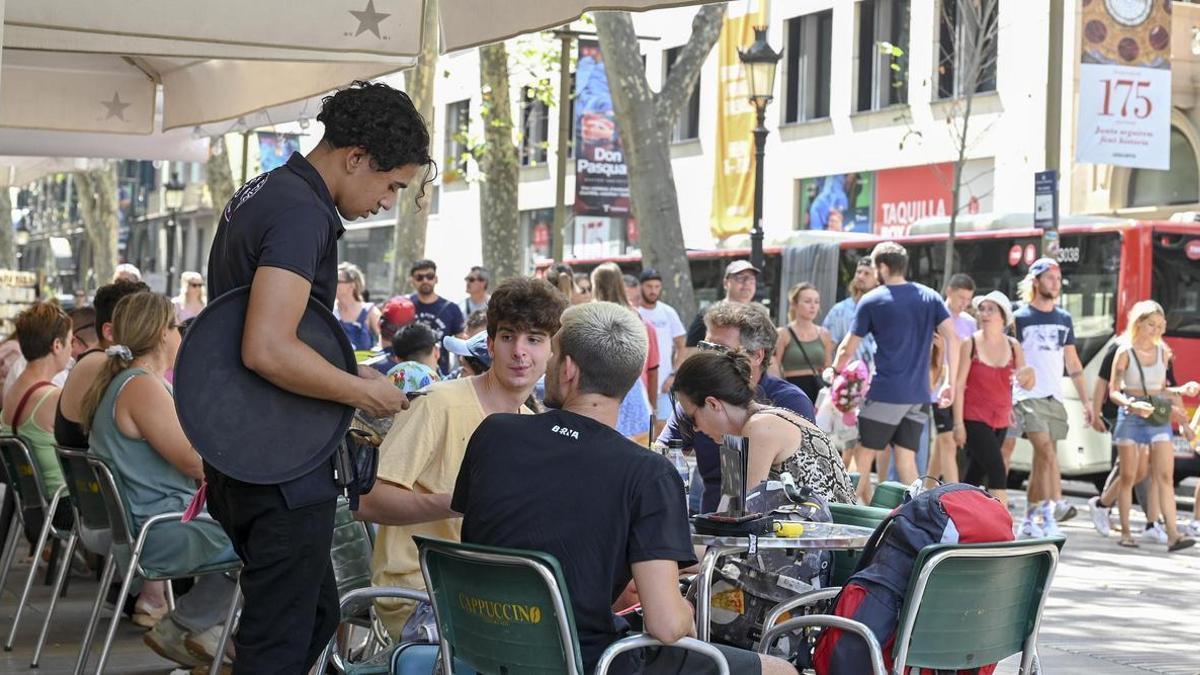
{"x": 173, "y": 198}
{"x": 758, "y": 70}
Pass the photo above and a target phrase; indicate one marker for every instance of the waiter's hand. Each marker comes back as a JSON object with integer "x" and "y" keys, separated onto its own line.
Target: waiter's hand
{"x": 380, "y": 398}
{"x": 369, "y": 373}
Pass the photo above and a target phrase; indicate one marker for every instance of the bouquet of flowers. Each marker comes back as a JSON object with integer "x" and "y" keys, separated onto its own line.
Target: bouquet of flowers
{"x": 849, "y": 390}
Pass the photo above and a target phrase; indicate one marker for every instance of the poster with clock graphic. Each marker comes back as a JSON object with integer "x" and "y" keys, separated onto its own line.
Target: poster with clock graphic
{"x": 1124, "y": 114}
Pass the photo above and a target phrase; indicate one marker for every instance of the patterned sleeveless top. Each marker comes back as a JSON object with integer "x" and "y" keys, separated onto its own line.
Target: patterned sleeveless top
{"x": 816, "y": 463}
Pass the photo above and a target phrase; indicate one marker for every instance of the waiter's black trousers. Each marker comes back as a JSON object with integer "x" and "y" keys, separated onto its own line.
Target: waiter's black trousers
{"x": 291, "y": 601}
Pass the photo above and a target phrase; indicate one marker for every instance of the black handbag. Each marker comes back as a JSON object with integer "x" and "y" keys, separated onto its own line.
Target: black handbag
{"x": 1161, "y": 404}
{"x": 357, "y": 463}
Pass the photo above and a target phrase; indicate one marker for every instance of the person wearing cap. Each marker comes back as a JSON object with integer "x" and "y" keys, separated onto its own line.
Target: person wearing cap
{"x": 989, "y": 363}
{"x": 671, "y": 334}
{"x": 420, "y": 456}
{"x": 903, "y": 316}
{"x": 633, "y": 292}
{"x": 416, "y": 351}
{"x": 472, "y": 353}
{"x": 740, "y": 283}
{"x": 477, "y": 290}
{"x": 1048, "y": 336}
{"x": 397, "y": 313}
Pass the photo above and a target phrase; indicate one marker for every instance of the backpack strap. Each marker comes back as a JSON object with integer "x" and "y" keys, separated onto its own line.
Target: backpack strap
{"x": 16, "y": 419}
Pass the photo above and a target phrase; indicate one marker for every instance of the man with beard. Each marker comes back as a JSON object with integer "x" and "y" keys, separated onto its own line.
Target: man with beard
{"x": 1047, "y": 335}
{"x": 840, "y": 318}
{"x": 443, "y": 316}
{"x": 520, "y": 487}
{"x": 670, "y": 332}
{"x": 420, "y": 456}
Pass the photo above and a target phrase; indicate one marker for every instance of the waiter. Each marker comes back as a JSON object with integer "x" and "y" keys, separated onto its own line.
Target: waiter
{"x": 278, "y": 234}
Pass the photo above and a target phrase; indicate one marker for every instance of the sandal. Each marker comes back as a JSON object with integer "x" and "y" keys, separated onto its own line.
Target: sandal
{"x": 147, "y": 615}
{"x": 1127, "y": 543}
{"x": 1180, "y": 544}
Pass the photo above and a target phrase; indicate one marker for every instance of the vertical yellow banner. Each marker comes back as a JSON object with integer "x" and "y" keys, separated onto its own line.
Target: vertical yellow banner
{"x": 733, "y": 185}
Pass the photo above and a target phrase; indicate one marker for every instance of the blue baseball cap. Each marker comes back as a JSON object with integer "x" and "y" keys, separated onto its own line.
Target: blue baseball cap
{"x": 1042, "y": 265}
{"x": 474, "y": 346}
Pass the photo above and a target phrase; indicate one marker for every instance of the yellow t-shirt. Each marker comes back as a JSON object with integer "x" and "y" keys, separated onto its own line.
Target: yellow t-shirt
{"x": 422, "y": 452}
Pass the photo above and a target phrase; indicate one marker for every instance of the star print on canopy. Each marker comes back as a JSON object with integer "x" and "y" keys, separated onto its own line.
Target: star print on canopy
{"x": 116, "y": 108}
{"x": 369, "y": 19}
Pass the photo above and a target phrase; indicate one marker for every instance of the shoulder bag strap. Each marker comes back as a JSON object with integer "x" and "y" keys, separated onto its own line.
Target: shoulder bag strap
{"x": 1141, "y": 373}
{"x": 16, "y": 420}
{"x": 796, "y": 339}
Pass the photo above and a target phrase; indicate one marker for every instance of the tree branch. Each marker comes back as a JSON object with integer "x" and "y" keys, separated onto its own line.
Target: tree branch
{"x": 685, "y": 72}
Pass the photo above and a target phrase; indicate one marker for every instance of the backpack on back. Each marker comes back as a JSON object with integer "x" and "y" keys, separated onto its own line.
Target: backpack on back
{"x": 874, "y": 594}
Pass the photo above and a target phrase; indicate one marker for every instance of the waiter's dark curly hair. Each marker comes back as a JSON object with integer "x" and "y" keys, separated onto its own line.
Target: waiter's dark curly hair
{"x": 382, "y": 121}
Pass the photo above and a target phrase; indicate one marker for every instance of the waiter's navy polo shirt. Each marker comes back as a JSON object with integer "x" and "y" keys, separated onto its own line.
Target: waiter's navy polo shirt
{"x": 284, "y": 218}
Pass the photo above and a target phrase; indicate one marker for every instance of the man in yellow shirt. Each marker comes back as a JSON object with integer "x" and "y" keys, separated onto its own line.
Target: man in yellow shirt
{"x": 421, "y": 455}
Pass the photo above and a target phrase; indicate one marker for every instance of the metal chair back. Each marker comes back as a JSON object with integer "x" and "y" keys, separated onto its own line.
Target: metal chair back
{"x": 845, "y": 562}
{"x": 500, "y": 610}
{"x": 25, "y": 481}
{"x": 91, "y": 515}
{"x": 120, "y": 520}
{"x": 969, "y": 605}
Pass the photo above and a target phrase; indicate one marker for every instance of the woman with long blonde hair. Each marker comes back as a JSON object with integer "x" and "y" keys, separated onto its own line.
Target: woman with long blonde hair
{"x": 359, "y": 319}
{"x": 1143, "y": 432}
{"x": 129, "y": 413}
{"x": 607, "y": 284}
{"x": 192, "y": 296}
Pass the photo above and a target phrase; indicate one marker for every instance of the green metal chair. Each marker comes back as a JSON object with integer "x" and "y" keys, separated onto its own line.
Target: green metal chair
{"x": 132, "y": 539}
{"x": 353, "y": 545}
{"x": 967, "y": 605}
{"x": 509, "y": 611}
{"x": 32, "y": 497}
{"x": 889, "y": 494}
{"x": 845, "y": 562}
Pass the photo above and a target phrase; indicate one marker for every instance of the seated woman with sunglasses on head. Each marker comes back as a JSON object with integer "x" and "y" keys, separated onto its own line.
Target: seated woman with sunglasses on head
{"x": 713, "y": 390}
{"x": 129, "y": 412}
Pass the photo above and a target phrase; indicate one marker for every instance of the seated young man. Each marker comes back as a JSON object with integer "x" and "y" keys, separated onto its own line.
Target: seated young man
{"x": 524, "y": 478}
{"x": 420, "y": 456}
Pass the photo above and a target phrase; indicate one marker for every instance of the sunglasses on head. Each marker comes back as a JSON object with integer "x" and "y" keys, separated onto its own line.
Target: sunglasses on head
{"x": 425, "y": 277}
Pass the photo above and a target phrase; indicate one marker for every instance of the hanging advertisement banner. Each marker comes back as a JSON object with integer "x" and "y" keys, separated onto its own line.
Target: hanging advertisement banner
{"x": 733, "y": 184}
{"x": 601, "y": 177}
{"x": 1125, "y": 84}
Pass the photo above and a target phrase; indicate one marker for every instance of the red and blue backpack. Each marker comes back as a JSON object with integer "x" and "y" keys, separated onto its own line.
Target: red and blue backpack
{"x": 949, "y": 514}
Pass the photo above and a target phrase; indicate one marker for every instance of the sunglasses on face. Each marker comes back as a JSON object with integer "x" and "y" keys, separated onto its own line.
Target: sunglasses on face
{"x": 196, "y": 284}
{"x": 425, "y": 277}
{"x": 470, "y": 279}
{"x": 706, "y": 346}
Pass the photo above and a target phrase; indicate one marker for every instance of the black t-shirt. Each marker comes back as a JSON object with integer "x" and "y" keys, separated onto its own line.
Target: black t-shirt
{"x": 576, "y": 489}
{"x": 284, "y": 218}
{"x": 1108, "y": 409}
{"x": 696, "y": 331}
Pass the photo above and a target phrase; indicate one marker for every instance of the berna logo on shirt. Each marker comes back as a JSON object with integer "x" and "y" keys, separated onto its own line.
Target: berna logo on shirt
{"x": 244, "y": 194}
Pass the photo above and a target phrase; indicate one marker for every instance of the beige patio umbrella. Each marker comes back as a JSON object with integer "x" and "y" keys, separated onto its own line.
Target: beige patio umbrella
{"x": 382, "y": 27}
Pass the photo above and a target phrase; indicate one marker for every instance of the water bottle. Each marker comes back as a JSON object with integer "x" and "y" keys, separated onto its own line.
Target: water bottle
{"x": 675, "y": 454}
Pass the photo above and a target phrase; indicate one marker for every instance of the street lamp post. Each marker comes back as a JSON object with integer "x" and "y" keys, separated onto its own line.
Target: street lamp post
{"x": 173, "y": 194}
{"x": 758, "y": 69}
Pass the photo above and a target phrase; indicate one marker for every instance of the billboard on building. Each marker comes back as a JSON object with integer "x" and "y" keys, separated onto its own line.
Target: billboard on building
{"x": 839, "y": 203}
{"x": 1125, "y": 84}
{"x": 733, "y": 182}
{"x": 907, "y": 194}
{"x": 601, "y": 177}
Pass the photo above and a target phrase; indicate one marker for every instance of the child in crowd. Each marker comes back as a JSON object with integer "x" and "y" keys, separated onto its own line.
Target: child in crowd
{"x": 416, "y": 348}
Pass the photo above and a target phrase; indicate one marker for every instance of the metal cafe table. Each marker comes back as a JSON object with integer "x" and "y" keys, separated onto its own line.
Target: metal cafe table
{"x": 822, "y": 536}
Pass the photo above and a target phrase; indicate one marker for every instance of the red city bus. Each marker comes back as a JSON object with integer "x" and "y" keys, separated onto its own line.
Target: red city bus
{"x": 1108, "y": 264}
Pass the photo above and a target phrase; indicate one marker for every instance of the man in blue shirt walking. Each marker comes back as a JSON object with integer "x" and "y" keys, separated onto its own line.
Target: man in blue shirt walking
{"x": 902, "y": 316}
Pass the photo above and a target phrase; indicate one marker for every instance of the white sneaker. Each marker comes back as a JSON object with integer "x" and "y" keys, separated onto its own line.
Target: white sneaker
{"x": 1030, "y": 530}
{"x": 1049, "y": 524}
{"x": 1192, "y": 529}
{"x": 1064, "y": 511}
{"x": 1155, "y": 533}
{"x": 1099, "y": 517}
